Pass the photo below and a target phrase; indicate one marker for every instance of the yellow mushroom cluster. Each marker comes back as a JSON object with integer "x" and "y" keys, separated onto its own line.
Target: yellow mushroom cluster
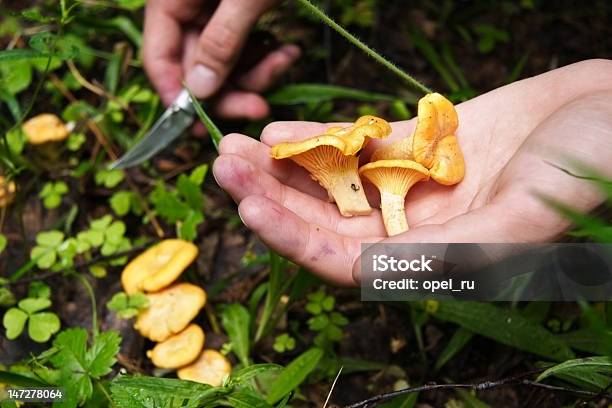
{"x": 431, "y": 151}
{"x": 172, "y": 307}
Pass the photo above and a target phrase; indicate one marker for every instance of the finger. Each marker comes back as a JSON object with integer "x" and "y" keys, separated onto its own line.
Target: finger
{"x": 242, "y": 105}
{"x": 263, "y": 75}
{"x": 241, "y": 179}
{"x": 162, "y": 51}
{"x": 314, "y": 247}
{"x": 221, "y": 42}
{"x": 291, "y": 131}
{"x": 285, "y": 171}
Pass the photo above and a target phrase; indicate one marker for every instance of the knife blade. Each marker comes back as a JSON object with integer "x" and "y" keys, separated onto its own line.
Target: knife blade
{"x": 170, "y": 125}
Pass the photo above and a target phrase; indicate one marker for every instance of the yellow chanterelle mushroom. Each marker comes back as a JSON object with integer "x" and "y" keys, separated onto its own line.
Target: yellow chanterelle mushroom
{"x": 434, "y": 144}
{"x": 158, "y": 266}
{"x": 210, "y": 368}
{"x": 180, "y": 349}
{"x": 394, "y": 178}
{"x": 45, "y": 128}
{"x": 7, "y": 192}
{"x": 170, "y": 311}
{"x": 331, "y": 160}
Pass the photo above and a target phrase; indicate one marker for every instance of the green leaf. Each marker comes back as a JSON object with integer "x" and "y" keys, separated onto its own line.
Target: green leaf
{"x": 16, "y": 140}
{"x": 168, "y": 206}
{"x": 460, "y": 338}
{"x": 237, "y": 321}
{"x": 39, "y": 290}
{"x": 33, "y": 305}
{"x": 19, "y": 54}
{"x": 75, "y": 141}
{"x": 3, "y": 243}
{"x": 189, "y": 226}
{"x": 120, "y": 202}
{"x": 598, "y": 364}
{"x": 246, "y": 398}
{"x": 101, "y": 355}
{"x": 109, "y": 178}
{"x": 127, "y": 306}
{"x": 294, "y": 374}
{"x": 44, "y": 257}
{"x": 7, "y": 298}
{"x": 14, "y": 321}
{"x": 190, "y": 191}
{"x": 505, "y": 326}
{"x": 52, "y": 201}
{"x": 15, "y": 76}
{"x": 247, "y": 373}
{"x": 42, "y": 326}
{"x": 295, "y": 94}
{"x": 152, "y": 392}
{"x": 50, "y": 239}
{"x": 19, "y": 380}
{"x": 198, "y": 174}
{"x": 114, "y": 233}
{"x": 213, "y": 130}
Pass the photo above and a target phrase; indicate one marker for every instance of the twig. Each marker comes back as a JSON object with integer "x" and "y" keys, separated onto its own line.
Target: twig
{"x": 482, "y": 386}
{"x": 331, "y": 390}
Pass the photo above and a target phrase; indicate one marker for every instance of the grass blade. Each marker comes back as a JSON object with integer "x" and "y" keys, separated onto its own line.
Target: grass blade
{"x": 213, "y": 130}
{"x": 505, "y": 326}
{"x": 294, "y": 374}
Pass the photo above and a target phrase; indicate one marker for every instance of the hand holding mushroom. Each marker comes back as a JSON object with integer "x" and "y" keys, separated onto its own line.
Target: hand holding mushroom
{"x": 509, "y": 138}
{"x": 331, "y": 160}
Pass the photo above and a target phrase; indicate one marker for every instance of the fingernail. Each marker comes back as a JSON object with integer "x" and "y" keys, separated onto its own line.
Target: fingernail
{"x": 202, "y": 81}
{"x": 241, "y": 218}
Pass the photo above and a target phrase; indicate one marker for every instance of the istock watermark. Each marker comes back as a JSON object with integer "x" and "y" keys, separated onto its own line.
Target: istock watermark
{"x": 486, "y": 272}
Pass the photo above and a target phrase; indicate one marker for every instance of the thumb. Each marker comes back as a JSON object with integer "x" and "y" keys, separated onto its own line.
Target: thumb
{"x": 220, "y": 44}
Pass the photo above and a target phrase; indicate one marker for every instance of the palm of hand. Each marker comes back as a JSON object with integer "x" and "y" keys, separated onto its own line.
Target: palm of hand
{"x": 509, "y": 138}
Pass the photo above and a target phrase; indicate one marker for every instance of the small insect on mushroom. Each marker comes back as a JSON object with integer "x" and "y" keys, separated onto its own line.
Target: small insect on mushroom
{"x": 434, "y": 144}
{"x": 178, "y": 350}
{"x": 211, "y": 368}
{"x": 331, "y": 160}
{"x": 158, "y": 266}
{"x": 45, "y": 128}
{"x": 7, "y": 192}
{"x": 170, "y": 311}
{"x": 394, "y": 178}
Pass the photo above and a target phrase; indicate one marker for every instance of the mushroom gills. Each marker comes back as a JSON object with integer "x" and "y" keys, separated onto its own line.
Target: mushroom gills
{"x": 394, "y": 178}
{"x": 338, "y": 174}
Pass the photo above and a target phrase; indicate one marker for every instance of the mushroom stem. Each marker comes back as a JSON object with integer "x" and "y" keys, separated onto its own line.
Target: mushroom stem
{"x": 347, "y": 192}
{"x": 393, "y": 213}
{"x": 339, "y": 175}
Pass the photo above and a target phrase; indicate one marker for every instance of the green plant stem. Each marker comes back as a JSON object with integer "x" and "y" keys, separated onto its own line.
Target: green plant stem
{"x": 320, "y": 14}
{"x": 94, "y": 307}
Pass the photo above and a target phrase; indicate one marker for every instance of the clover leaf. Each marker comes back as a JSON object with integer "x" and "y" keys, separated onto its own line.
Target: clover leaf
{"x": 109, "y": 178}
{"x": 127, "y": 306}
{"x": 283, "y": 343}
{"x": 52, "y": 194}
{"x": 45, "y": 253}
{"x": 41, "y": 324}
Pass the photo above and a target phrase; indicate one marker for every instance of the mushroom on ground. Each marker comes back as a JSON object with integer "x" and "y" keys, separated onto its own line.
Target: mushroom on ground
{"x": 179, "y": 349}
{"x": 170, "y": 311}
{"x": 211, "y": 368}
{"x": 394, "y": 178}
{"x": 434, "y": 143}
{"x": 7, "y": 192}
{"x": 45, "y": 128}
{"x": 331, "y": 160}
{"x": 158, "y": 266}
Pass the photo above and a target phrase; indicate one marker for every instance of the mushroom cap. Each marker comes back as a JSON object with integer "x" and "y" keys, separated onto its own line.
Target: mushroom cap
{"x": 180, "y": 349}
{"x": 449, "y": 165}
{"x": 437, "y": 118}
{"x": 7, "y": 192}
{"x": 210, "y": 368}
{"x": 394, "y": 176}
{"x": 170, "y": 311}
{"x": 399, "y": 150}
{"x": 44, "y": 128}
{"x": 348, "y": 140}
{"x": 158, "y": 266}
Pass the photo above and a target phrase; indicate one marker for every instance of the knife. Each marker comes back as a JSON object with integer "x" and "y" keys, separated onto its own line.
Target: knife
{"x": 170, "y": 125}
